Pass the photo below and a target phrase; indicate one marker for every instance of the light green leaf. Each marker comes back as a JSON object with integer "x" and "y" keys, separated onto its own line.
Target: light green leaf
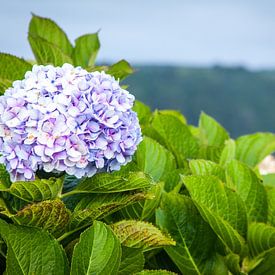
{"x": 228, "y": 152}
{"x": 132, "y": 261}
{"x": 139, "y": 234}
{"x": 32, "y": 251}
{"x": 99, "y": 206}
{"x": 204, "y": 167}
{"x": 12, "y": 68}
{"x": 113, "y": 183}
{"x": 37, "y": 190}
{"x": 154, "y": 159}
{"x": 98, "y": 251}
{"x": 175, "y": 136}
{"x": 269, "y": 180}
{"x": 211, "y": 132}
{"x": 174, "y": 113}
{"x": 270, "y": 192}
{"x": 120, "y": 70}
{"x": 143, "y": 111}
{"x": 86, "y": 49}
{"x": 252, "y": 149}
{"x": 221, "y": 207}
{"x": 242, "y": 179}
{"x": 194, "y": 238}
{"x": 47, "y": 53}
{"x": 212, "y": 153}
{"x": 50, "y": 215}
{"x": 49, "y": 31}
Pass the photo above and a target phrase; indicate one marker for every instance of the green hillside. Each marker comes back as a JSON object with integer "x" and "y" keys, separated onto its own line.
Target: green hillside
{"x": 242, "y": 100}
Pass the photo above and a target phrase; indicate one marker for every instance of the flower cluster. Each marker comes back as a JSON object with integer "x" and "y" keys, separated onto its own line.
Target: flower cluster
{"x": 66, "y": 119}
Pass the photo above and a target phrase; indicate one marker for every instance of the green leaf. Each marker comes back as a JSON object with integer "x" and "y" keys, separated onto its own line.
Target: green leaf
{"x": 113, "y": 183}
{"x": 211, "y": 132}
{"x": 204, "y": 167}
{"x": 221, "y": 207}
{"x": 175, "y": 136}
{"x": 99, "y": 206}
{"x": 261, "y": 238}
{"x": 86, "y": 49}
{"x": 174, "y": 113}
{"x": 32, "y": 251}
{"x": 139, "y": 234}
{"x": 155, "y": 272}
{"x": 212, "y": 153}
{"x": 37, "y": 190}
{"x": 173, "y": 178}
{"x": 132, "y": 261}
{"x": 194, "y": 238}
{"x": 47, "y": 53}
{"x": 154, "y": 159}
{"x": 242, "y": 179}
{"x": 270, "y": 192}
{"x": 264, "y": 265}
{"x": 98, "y": 251}
{"x": 4, "y": 85}
{"x": 143, "y": 111}
{"x": 252, "y": 149}
{"x": 120, "y": 70}
{"x": 12, "y": 68}
{"x": 4, "y": 178}
{"x": 228, "y": 152}
{"x": 145, "y": 210}
{"x": 50, "y": 215}
{"x": 49, "y": 31}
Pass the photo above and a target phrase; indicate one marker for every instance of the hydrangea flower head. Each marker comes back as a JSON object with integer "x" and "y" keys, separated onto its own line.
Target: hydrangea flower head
{"x": 66, "y": 119}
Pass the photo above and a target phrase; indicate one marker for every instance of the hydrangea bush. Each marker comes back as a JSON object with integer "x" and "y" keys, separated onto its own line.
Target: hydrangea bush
{"x": 64, "y": 119}
{"x": 82, "y": 191}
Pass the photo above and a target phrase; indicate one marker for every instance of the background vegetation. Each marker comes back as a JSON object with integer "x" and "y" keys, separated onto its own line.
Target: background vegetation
{"x": 242, "y": 100}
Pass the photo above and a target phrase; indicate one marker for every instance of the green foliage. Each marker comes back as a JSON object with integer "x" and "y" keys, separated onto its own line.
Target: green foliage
{"x": 221, "y": 207}
{"x": 30, "y": 250}
{"x": 98, "y": 251}
{"x": 38, "y": 190}
{"x": 86, "y": 49}
{"x": 191, "y": 201}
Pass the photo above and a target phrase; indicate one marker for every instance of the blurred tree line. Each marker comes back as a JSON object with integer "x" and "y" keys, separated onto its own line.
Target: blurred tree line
{"x": 242, "y": 100}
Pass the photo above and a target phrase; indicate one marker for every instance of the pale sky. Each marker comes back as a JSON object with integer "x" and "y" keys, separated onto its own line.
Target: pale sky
{"x": 176, "y": 32}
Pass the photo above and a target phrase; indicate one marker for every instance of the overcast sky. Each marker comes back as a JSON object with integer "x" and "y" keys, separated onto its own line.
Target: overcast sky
{"x": 231, "y": 32}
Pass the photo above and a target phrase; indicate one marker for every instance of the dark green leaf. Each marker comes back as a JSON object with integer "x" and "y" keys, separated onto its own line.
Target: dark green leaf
{"x": 32, "y": 251}
{"x": 132, "y": 261}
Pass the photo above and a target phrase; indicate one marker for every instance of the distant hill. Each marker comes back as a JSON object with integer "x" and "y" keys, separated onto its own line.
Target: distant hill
{"x": 242, "y": 100}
